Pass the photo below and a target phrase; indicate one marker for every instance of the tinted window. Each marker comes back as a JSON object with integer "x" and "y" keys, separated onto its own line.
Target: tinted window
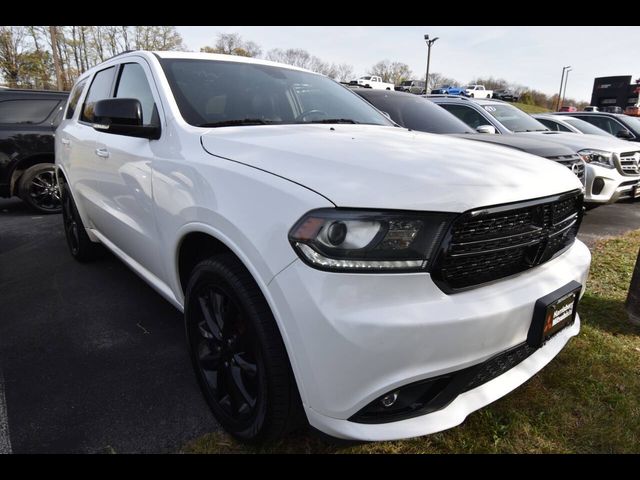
{"x": 633, "y": 122}
{"x": 209, "y": 92}
{"x": 415, "y": 112}
{"x": 605, "y": 123}
{"x": 467, "y": 114}
{"x": 99, "y": 90}
{"x": 133, "y": 84}
{"x": 26, "y": 111}
{"x": 585, "y": 127}
{"x": 553, "y": 126}
{"x": 74, "y": 98}
{"x": 513, "y": 118}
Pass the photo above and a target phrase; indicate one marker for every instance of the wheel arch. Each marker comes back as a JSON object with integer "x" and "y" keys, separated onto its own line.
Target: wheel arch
{"x": 25, "y": 163}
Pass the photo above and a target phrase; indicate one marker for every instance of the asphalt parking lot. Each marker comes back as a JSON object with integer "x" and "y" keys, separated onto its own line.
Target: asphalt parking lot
{"x": 92, "y": 360}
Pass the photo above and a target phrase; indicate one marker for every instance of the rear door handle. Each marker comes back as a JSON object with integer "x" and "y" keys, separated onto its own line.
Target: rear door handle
{"x": 65, "y": 141}
{"x": 102, "y": 152}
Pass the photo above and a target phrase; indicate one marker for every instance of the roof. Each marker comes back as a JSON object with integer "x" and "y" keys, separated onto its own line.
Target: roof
{"x": 224, "y": 58}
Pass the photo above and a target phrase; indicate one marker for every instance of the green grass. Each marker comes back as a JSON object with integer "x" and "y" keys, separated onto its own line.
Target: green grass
{"x": 586, "y": 401}
{"x": 531, "y": 108}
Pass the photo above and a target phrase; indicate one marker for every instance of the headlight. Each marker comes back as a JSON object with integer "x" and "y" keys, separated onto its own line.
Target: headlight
{"x": 597, "y": 157}
{"x": 368, "y": 241}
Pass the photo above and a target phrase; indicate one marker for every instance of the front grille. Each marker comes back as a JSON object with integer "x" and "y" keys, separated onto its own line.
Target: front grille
{"x": 492, "y": 243}
{"x": 496, "y": 366}
{"x": 573, "y": 163}
{"x": 630, "y": 163}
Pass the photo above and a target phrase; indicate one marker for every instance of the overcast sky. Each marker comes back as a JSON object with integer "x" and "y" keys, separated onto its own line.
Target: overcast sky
{"x": 530, "y": 56}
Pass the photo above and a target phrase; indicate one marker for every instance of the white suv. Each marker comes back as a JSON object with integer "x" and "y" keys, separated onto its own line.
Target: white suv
{"x": 332, "y": 267}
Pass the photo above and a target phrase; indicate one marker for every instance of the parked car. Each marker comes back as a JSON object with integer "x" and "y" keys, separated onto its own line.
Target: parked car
{"x": 448, "y": 90}
{"x": 411, "y": 86}
{"x": 568, "y": 108}
{"x": 613, "y": 170}
{"x": 478, "y": 91}
{"x": 373, "y": 81}
{"x": 420, "y": 114}
{"x": 28, "y": 119}
{"x": 383, "y": 283}
{"x": 621, "y": 126}
{"x": 591, "y": 108}
{"x": 610, "y": 109}
{"x": 507, "y": 95}
{"x": 569, "y": 125}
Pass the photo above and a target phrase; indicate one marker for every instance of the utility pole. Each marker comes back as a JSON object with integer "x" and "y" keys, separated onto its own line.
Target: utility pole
{"x": 560, "y": 91}
{"x": 429, "y": 43}
{"x": 56, "y": 57}
{"x": 564, "y": 90}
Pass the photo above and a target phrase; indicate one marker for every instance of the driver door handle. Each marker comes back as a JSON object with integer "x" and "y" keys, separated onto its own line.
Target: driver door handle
{"x": 102, "y": 152}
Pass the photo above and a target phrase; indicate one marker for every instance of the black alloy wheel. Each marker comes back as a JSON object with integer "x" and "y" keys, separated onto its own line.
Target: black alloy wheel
{"x": 39, "y": 188}
{"x": 227, "y": 357}
{"x": 237, "y": 352}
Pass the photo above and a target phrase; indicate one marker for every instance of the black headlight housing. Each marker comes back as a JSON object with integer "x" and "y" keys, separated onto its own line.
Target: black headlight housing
{"x": 354, "y": 240}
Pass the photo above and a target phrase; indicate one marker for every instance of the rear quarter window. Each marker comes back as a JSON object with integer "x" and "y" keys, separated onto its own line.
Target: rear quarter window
{"x": 26, "y": 111}
{"x": 74, "y": 98}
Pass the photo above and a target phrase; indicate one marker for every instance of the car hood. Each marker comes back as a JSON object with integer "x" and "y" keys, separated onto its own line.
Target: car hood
{"x": 371, "y": 166}
{"x": 581, "y": 141}
{"x": 542, "y": 146}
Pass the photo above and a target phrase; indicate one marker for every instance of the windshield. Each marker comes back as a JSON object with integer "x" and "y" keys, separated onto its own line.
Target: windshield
{"x": 212, "y": 93}
{"x": 414, "y": 112}
{"x": 407, "y": 83}
{"x": 514, "y": 119}
{"x": 586, "y": 127}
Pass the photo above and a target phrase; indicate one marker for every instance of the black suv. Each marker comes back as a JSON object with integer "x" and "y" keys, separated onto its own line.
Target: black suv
{"x": 28, "y": 119}
{"x": 507, "y": 95}
{"x": 622, "y": 126}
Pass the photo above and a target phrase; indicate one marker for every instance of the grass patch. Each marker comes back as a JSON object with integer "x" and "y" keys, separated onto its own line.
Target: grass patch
{"x": 586, "y": 401}
{"x": 531, "y": 108}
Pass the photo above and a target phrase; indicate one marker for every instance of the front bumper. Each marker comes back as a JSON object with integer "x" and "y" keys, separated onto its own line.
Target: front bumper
{"x": 616, "y": 186}
{"x": 354, "y": 337}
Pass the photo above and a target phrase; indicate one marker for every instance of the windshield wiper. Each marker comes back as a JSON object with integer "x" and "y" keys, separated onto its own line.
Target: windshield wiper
{"x": 333, "y": 120}
{"x": 242, "y": 121}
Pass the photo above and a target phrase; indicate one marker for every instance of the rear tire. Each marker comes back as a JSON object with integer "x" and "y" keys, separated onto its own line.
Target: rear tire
{"x": 38, "y": 188}
{"x": 80, "y": 245}
{"x": 238, "y": 354}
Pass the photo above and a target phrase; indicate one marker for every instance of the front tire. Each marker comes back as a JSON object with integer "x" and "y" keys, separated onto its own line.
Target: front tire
{"x": 80, "y": 245}
{"x": 237, "y": 352}
{"x": 39, "y": 189}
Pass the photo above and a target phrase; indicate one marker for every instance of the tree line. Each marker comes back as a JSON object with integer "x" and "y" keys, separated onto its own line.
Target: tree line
{"x": 52, "y": 57}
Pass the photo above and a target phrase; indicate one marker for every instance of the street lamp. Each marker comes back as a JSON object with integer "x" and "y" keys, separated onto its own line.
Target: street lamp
{"x": 561, "y": 82}
{"x": 566, "y": 80}
{"x": 429, "y": 43}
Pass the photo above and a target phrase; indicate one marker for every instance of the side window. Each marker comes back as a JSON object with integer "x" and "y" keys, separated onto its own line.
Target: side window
{"x": 26, "y": 111}
{"x": 133, "y": 84}
{"x": 562, "y": 128}
{"x": 553, "y": 126}
{"x": 99, "y": 90}
{"x": 467, "y": 115}
{"x": 57, "y": 116}
{"x": 606, "y": 124}
{"x": 74, "y": 98}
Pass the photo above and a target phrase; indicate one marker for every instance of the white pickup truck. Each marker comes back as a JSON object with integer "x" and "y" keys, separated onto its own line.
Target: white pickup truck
{"x": 478, "y": 91}
{"x": 372, "y": 81}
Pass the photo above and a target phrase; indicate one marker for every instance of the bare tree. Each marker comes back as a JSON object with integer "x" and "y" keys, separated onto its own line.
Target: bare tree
{"x": 438, "y": 79}
{"x": 393, "y": 72}
{"x": 291, "y": 56}
{"x": 233, "y": 44}
{"x": 344, "y": 72}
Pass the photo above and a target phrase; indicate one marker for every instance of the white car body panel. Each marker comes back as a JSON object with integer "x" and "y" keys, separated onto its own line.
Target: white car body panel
{"x": 375, "y": 82}
{"x": 349, "y": 337}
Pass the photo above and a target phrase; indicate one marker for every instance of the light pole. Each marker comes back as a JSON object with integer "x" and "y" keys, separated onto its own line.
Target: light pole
{"x": 561, "y": 82}
{"x": 429, "y": 43}
{"x": 566, "y": 80}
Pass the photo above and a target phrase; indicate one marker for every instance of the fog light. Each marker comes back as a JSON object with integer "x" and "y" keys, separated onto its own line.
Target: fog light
{"x": 389, "y": 399}
{"x": 598, "y": 185}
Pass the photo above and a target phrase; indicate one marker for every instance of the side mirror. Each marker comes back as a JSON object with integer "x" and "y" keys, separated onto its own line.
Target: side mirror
{"x": 626, "y": 134}
{"x": 122, "y": 116}
{"x": 486, "y": 129}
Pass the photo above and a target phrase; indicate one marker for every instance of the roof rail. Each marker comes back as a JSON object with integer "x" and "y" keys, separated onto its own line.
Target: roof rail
{"x": 32, "y": 90}
{"x": 446, "y": 95}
